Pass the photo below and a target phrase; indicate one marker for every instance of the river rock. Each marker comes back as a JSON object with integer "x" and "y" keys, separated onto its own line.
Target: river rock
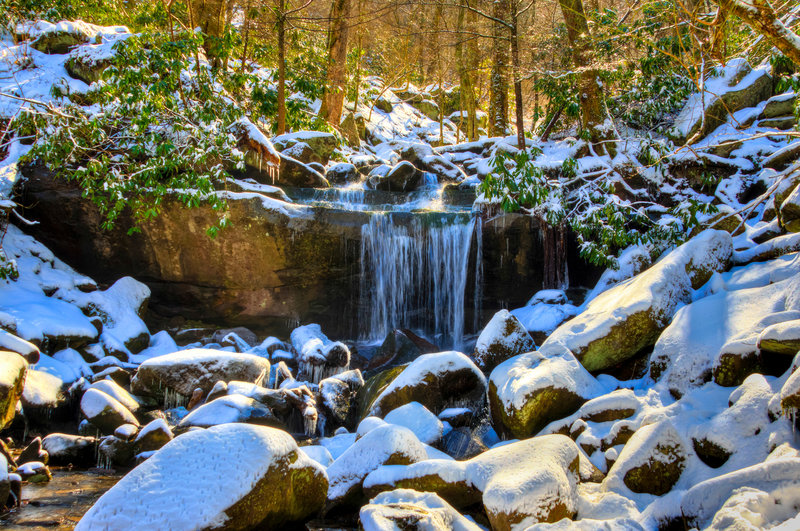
{"x": 34, "y": 452}
{"x": 384, "y": 445}
{"x": 400, "y": 347}
{"x": 300, "y": 175}
{"x": 11, "y": 343}
{"x": 115, "y": 451}
{"x": 781, "y": 338}
{"x": 416, "y": 417}
{"x": 448, "y": 479}
{"x": 436, "y": 381}
{"x": 651, "y": 462}
{"x": 339, "y": 397}
{"x": 527, "y": 482}
{"x": 342, "y": 173}
{"x": 622, "y": 321}
{"x": 397, "y": 509}
{"x": 321, "y": 143}
{"x": 529, "y": 391}
{"x": 13, "y": 368}
{"x": 182, "y": 372}
{"x": 153, "y": 436}
{"x": 503, "y": 338}
{"x": 318, "y": 356}
{"x": 230, "y": 408}
{"x": 404, "y": 177}
{"x": 113, "y": 389}
{"x": 234, "y": 475}
{"x": 105, "y": 412}
{"x": 64, "y": 449}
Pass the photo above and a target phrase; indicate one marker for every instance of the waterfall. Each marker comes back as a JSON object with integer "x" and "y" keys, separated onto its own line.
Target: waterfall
{"x": 414, "y": 275}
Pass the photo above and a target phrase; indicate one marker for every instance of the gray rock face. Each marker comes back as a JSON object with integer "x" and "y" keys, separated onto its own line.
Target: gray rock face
{"x": 300, "y": 175}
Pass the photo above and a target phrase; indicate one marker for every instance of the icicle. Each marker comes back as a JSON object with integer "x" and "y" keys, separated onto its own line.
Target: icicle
{"x": 173, "y": 399}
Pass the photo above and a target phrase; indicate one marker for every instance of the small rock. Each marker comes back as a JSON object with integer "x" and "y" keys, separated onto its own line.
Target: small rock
{"x": 153, "y": 436}
{"x": 105, "y": 412}
{"x": 503, "y": 338}
{"x": 65, "y": 449}
{"x": 34, "y": 452}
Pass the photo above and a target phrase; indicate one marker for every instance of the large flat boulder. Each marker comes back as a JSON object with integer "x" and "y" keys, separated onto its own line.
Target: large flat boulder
{"x": 621, "y": 322}
{"x": 183, "y": 372}
{"x": 233, "y": 476}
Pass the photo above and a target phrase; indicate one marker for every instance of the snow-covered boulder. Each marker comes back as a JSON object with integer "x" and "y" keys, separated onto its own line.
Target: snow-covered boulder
{"x": 183, "y": 372}
{"x": 544, "y": 312}
{"x": 339, "y": 397}
{"x": 322, "y": 144}
{"x": 60, "y": 38}
{"x": 446, "y": 478}
{"x": 44, "y": 395}
{"x": 629, "y": 317}
{"x": 341, "y": 173}
{"x": 436, "y": 381}
{"x": 781, "y": 338}
{"x": 12, "y": 380}
{"x": 527, "y": 482}
{"x": 26, "y": 349}
{"x": 230, "y": 408}
{"x": 234, "y": 476}
{"x": 701, "y": 502}
{"x": 105, "y": 412}
{"x": 403, "y": 177}
{"x": 529, "y": 391}
{"x": 651, "y": 462}
{"x": 725, "y": 323}
{"x": 319, "y": 357}
{"x": 295, "y": 173}
{"x": 737, "y": 87}
{"x": 416, "y": 417}
{"x": 384, "y": 445}
{"x": 115, "y": 451}
{"x": 64, "y": 449}
{"x": 396, "y": 509}
{"x": 113, "y": 389}
{"x": 153, "y": 436}
{"x": 503, "y": 338}
{"x": 789, "y": 212}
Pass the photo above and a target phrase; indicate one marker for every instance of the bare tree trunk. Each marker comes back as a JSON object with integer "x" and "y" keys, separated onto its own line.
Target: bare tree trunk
{"x": 759, "y": 15}
{"x": 333, "y": 96}
{"x": 245, "y": 36}
{"x": 281, "y": 31}
{"x": 517, "y": 77}
{"x": 590, "y": 91}
{"x": 498, "y": 98}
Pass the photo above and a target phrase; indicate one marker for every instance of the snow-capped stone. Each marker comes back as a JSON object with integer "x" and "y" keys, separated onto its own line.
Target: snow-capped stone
{"x": 115, "y": 451}
{"x": 153, "y": 436}
{"x": 727, "y": 322}
{"x": 230, "y": 408}
{"x": 446, "y": 478}
{"x": 208, "y": 479}
{"x": 113, "y": 389}
{"x": 26, "y": 349}
{"x": 126, "y": 432}
{"x": 319, "y": 357}
{"x": 13, "y": 368}
{"x": 183, "y": 372}
{"x": 323, "y": 144}
{"x": 436, "y": 381}
{"x": 544, "y": 312}
{"x": 629, "y": 317}
{"x": 529, "y": 391}
{"x": 120, "y": 308}
{"x": 385, "y": 445}
{"x": 64, "y": 449}
{"x": 789, "y": 211}
{"x": 341, "y": 173}
{"x": 503, "y": 338}
{"x": 416, "y": 417}
{"x": 701, "y": 502}
{"x": 339, "y": 396}
{"x": 527, "y": 482}
{"x": 105, "y": 412}
{"x": 395, "y": 509}
{"x": 318, "y": 453}
{"x": 73, "y": 358}
{"x": 34, "y": 472}
{"x": 5, "y": 484}
{"x": 781, "y": 338}
{"x": 651, "y": 462}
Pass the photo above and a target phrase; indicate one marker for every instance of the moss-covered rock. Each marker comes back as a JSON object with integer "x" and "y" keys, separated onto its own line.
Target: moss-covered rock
{"x": 781, "y": 338}
{"x": 651, "y": 462}
{"x": 529, "y": 391}
{"x": 503, "y": 338}
{"x": 13, "y": 368}
{"x": 621, "y": 322}
{"x": 411, "y": 510}
{"x": 737, "y": 362}
{"x": 436, "y": 381}
{"x": 447, "y": 479}
{"x": 234, "y": 476}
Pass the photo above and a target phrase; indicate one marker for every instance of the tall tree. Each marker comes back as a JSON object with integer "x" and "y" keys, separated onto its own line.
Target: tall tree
{"x": 335, "y": 86}
{"x": 583, "y": 59}
{"x": 466, "y": 63}
{"x": 498, "y": 95}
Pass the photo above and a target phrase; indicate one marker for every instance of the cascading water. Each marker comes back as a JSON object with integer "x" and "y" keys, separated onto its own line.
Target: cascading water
{"x": 414, "y": 274}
